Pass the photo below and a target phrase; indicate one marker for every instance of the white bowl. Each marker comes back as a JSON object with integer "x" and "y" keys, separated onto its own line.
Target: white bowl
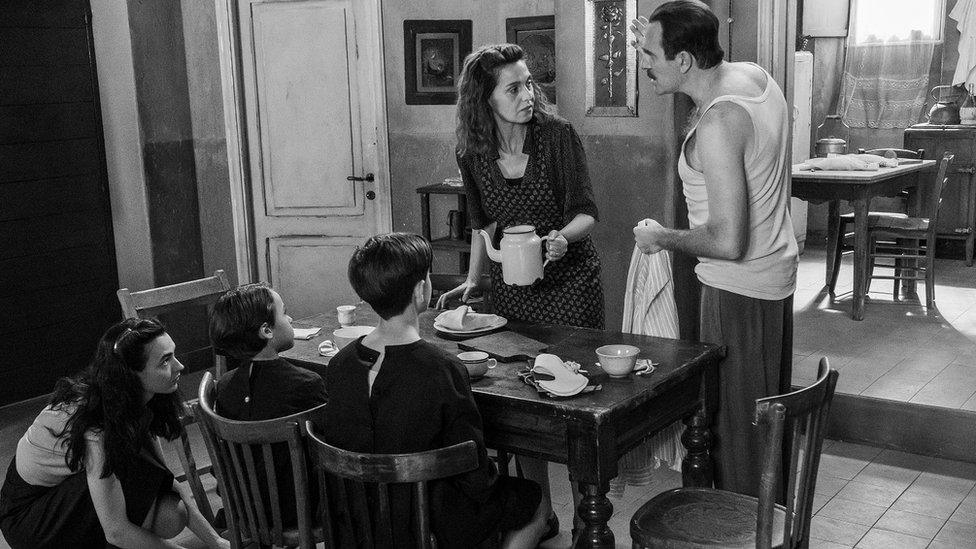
{"x": 347, "y": 334}
{"x": 618, "y": 360}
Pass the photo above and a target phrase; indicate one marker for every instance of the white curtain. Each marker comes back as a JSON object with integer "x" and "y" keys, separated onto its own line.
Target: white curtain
{"x": 886, "y": 79}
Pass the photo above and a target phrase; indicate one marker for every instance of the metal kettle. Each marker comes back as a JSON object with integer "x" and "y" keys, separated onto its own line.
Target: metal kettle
{"x": 945, "y": 110}
{"x": 830, "y": 144}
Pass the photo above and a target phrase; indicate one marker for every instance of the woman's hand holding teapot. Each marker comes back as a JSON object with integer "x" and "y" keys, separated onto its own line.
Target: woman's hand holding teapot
{"x": 556, "y": 246}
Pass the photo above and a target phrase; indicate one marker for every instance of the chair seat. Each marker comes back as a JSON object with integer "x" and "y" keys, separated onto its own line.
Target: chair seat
{"x": 892, "y": 220}
{"x": 701, "y": 517}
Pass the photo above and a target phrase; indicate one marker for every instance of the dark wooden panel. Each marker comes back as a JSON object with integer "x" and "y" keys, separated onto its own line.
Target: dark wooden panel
{"x": 54, "y": 269}
{"x": 24, "y": 237}
{"x": 35, "y": 198}
{"x": 49, "y": 122}
{"x": 47, "y": 47}
{"x": 40, "y": 375}
{"x": 44, "y": 13}
{"x": 84, "y": 302}
{"x": 48, "y": 160}
{"x": 31, "y": 85}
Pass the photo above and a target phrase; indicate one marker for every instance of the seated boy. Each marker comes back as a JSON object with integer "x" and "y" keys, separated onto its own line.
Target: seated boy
{"x": 392, "y": 392}
{"x": 250, "y": 324}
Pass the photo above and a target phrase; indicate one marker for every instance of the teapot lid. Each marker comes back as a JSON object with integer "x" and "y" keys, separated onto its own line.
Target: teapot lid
{"x": 519, "y": 229}
{"x": 831, "y": 141}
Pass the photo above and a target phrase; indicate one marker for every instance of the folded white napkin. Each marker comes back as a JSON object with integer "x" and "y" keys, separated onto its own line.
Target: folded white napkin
{"x": 567, "y": 381}
{"x": 306, "y": 333}
{"x": 464, "y": 319}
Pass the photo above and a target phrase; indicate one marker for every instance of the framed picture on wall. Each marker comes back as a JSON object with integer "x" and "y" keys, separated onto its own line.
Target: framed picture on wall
{"x": 537, "y": 36}
{"x": 433, "y": 51}
{"x": 610, "y": 64}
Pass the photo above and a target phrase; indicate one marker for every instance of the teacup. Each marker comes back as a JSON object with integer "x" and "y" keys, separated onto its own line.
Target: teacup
{"x": 477, "y": 362}
{"x": 617, "y": 360}
{"x": 342, "y": 337}
{"x": 346, "y": 315}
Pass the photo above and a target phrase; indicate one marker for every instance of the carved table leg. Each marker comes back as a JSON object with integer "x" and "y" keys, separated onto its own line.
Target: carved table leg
{"x": 594, "y": 510}
{"x": 696, "y": 468}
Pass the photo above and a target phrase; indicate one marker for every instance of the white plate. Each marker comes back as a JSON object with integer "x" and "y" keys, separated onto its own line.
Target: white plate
{"x": 501, "y": 321}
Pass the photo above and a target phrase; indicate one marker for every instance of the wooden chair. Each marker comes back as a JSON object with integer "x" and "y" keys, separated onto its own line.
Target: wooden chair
{"x": 249, "y": 486}
{"x": 366, "y": 475}
{"x": 910, "y": 241}
{"x": 156, "y": 301}
{"x": 704, "y": 517}
{"x": 845, "y": 228}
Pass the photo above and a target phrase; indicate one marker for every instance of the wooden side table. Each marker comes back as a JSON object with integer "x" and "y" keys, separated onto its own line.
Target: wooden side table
{"x": 463, "y": 245}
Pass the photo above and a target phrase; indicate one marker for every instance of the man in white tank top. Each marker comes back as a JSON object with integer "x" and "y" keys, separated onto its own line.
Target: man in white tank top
{"x": 735, "y": 168}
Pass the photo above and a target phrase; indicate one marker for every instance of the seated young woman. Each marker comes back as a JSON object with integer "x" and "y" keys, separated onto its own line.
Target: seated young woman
{"x": 89, "y": 472}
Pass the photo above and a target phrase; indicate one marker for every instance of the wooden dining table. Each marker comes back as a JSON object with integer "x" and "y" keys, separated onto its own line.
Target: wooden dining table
{"x": 588, "y": 432}
{"x": 857, "y": 188}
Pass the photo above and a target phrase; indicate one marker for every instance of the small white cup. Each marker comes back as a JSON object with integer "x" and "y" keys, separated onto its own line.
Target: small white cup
{"x": 346, "y": 315}
{"x": 477, "y": 362}
{"x": 342, "y": 337}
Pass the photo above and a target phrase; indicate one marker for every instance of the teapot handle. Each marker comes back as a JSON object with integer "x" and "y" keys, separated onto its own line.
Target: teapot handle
{"x": 937, "y": 88}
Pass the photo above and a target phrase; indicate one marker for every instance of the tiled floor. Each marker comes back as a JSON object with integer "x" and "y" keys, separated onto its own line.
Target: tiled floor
{"x": 899, "y": 351}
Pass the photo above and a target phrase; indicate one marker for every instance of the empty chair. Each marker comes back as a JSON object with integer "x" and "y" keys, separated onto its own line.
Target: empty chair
{"x": 154, "y": 302}
{"x": 243, "y": 454}
{"x": 845, "y": 227}
{"x": 705, "y": 517}
{"x": 909, "y": 242}
{"x": 356, "y": 479}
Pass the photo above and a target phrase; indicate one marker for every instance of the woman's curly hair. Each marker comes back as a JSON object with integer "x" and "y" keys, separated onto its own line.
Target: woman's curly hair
{"x": 476, "y": 129}
{"x": 107, "y": 398}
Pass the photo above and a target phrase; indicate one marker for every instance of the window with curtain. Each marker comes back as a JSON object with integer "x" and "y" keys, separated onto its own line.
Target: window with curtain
{"x": 890, "y": 46}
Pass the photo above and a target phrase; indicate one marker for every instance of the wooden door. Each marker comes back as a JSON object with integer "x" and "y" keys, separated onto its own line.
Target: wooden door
{"x": 310, "y": 125}
{"x": 57, "y": 256}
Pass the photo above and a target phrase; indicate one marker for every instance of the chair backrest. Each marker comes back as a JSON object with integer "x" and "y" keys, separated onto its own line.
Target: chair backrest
{"x": 242, "y": 454}
{"x": 372, "y": 473}
{"x": 899, "y": 153}
{"x": 156, "y": 301}
{"x": 930, "y": 208}
{"x": 800, "y": 417}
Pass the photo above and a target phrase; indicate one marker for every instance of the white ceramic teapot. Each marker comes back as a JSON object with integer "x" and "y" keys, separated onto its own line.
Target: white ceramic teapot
{"x": 520, "y": 254}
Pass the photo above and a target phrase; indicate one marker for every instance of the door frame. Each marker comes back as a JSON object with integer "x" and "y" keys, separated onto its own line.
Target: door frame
{"x": 369, "y": 20}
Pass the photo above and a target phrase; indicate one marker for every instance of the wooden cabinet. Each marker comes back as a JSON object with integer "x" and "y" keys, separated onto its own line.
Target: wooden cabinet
{"x": 461, "y": 245}
{"x": 957, "y": 215}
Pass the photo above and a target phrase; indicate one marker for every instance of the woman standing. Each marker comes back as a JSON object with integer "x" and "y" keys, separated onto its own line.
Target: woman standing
{"x": 89, "y": 471}
{"x": 522, "y": 165}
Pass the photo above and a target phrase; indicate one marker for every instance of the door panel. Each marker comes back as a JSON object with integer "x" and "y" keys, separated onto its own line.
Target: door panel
{"x": 305, "y": 88}
{"x": 309, "y": 140}
{"x": 300, "y": 265}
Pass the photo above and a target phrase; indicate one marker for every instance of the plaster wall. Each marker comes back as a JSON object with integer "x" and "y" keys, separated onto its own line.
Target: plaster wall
{"x": 120, "y": 126}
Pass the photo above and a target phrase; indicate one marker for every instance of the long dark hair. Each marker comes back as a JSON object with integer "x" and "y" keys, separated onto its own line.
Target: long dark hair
{"x": 476, "y": 129}
{"x": 106, "y": 398}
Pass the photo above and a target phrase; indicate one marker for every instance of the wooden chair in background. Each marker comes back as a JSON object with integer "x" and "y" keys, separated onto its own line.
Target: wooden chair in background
{"x": 249, "y": 487}
{"x": 910, "y": 241}
{"x": 845, "y": 228}
{"x": 154, "y": 302}
{"x": 373, "y": 473}
{"x": 717, "y": 518}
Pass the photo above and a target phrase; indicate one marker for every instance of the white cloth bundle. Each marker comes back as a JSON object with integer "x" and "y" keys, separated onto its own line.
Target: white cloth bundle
{"x": 464, "y": 319}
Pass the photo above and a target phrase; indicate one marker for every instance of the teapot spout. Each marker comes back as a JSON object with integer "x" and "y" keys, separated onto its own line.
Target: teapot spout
{"x": 493, "y": 253}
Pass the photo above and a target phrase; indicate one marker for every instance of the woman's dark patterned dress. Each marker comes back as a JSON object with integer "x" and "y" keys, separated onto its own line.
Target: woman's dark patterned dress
{"x": 554, "y": 189}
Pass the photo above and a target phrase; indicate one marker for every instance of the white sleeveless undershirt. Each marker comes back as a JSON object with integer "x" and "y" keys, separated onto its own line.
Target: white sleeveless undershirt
{"x": 768, "y": 268}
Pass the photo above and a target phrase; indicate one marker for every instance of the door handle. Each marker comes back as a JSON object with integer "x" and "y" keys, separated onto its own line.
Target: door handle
{"x": 369, "y": 177}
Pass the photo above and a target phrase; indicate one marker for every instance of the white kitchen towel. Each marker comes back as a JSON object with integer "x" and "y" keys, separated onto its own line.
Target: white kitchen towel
{"x": 649, "y": 309}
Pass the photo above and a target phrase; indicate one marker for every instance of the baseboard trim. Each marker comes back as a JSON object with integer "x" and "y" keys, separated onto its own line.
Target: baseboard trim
{"x": 915, "y": 428}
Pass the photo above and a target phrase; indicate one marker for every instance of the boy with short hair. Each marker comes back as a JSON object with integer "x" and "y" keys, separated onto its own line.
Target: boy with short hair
{"x": 392, "y": 392}
{"x": 250, "y": 324}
